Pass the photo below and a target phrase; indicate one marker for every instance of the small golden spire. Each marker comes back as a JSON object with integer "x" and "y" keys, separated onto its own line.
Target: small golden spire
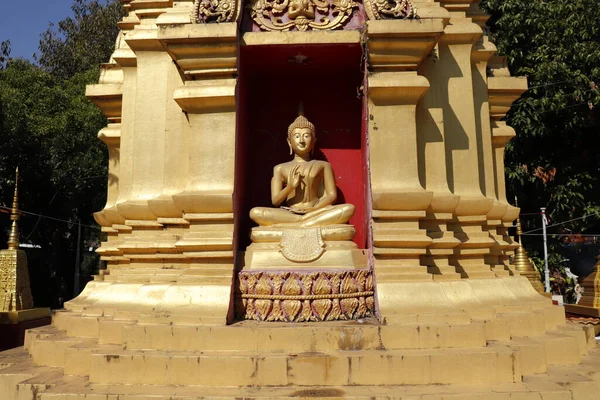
{"x": 519, "y": 229}
{"x": 13, "y": 239}
{"x": 521, "y": 260}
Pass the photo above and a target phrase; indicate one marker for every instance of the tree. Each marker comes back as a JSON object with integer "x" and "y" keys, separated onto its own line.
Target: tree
{"x": 49, "y": 131}
{"x": 4, "y": 53}
{"x": 553, "y": 160}
{"x": 48, "y": 128}
{"x": 83, "y": 42}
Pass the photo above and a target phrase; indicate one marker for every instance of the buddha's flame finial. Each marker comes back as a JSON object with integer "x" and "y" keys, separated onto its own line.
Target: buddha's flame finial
{"x": 519, "y": 229}
{"x": 301, "y": 122}
{"x": 521, "y": 260}
{"x": 13, "y": 239}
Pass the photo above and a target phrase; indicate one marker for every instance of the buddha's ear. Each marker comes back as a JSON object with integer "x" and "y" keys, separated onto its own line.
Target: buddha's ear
{"x": 290, "y": 146}
{"x": 312, "y": 151}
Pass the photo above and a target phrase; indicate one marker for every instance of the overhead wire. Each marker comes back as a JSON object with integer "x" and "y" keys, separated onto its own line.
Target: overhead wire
{"x": 562, "y": 223}
{"x": 52, "y": 218}
{"x": 563, "y": 234}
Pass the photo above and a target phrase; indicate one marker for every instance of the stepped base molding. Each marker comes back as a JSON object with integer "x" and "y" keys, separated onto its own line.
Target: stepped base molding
{"x": 478, "y": 339}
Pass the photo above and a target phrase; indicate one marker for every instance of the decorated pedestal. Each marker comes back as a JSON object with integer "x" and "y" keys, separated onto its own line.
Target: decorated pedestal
{"x": 304, "y": 248}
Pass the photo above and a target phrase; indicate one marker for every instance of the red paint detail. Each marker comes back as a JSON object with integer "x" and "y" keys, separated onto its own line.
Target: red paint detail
{"x": 272, "y": 82}
{"x": 366, "y": 173}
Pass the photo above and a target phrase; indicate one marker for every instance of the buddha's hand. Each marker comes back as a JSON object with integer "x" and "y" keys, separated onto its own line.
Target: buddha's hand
{"x": 297, "y": 210}
{"x": 294, "y": 177}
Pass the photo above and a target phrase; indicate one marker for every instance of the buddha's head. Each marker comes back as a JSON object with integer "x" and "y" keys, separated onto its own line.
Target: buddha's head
{"x": 301, "y": 136}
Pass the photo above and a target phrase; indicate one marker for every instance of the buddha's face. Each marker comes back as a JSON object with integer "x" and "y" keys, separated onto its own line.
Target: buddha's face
{"x": 302, "y": 141}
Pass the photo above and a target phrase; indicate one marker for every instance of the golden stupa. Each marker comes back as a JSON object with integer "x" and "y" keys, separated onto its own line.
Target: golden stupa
{"x": 16, "y": 302}
{"x": 355, "y": 249}
{"x": 523, "y": 264}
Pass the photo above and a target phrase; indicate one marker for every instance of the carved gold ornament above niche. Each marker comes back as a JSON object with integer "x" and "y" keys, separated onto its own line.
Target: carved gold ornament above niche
{"x": 284, "y": 15}
{"x": 210, "y": 11}
{"x": 390, "y": 9}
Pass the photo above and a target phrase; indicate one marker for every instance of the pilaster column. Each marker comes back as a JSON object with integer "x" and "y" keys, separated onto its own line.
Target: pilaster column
{"x": 432, "y": 169}
{"x": 207, "y": 56}
{"x": 127, "y": 60}
{"x": 111, "y": 137}
{"x": 463, "y": 168}
{"x": 399, "y": 199}
{"x": 501, "y": 134}
{"x": 503, "y": 90}
{"x": 108, "y": 95}
{"x": 150, "y": 113}
{"x": 482, "y": 52}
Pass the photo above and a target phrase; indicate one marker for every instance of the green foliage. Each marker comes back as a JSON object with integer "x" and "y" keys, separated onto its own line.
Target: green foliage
{"x": 82, "y": 42}
{"x": 553, "y": 160}
{"x": 48, "y": 129}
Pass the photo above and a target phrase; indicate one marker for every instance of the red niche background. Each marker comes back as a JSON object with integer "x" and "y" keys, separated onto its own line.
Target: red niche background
{"x": 273, "y": 80}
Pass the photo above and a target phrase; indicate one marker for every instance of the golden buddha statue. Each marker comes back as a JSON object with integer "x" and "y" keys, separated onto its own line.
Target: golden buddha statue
{"x": 306, "y": 186}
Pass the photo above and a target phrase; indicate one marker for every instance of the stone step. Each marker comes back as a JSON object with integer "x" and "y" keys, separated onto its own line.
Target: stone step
{"x": 110, "y": 328}
{"x": 582, "y": 382}
{"x": 532, "y": 355}
{"x": 50, "y": 350}
{"x": 76, "y": 325}
{"x": 503, "y": 324}
{"x": 490, "y": 365}
{"x": 286, "y": 338}
{"x": 536, "y": 388}
{"x": 584, "y": 333}
{"x": 21, "y": 380}
{"x": 561, "y": 349}
{"x": 538, "y": 353}
{"x": 413, "y": 333}
{"x": 42, "y": 331}
{"x": 51, "y": 347}
{"x": 524, "y": 324}
{"x": 449, "y": 317}
{"x": 78, "y": 356}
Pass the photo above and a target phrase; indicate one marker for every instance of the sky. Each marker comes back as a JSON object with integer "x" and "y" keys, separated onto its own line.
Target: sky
{"x": 23, "y": 21}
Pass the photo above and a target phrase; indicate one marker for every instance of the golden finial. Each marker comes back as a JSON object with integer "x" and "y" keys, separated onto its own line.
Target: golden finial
{"x": 519, "y": 229}
{"x": 13, "y": 239}
{"x": 521, "y": 260}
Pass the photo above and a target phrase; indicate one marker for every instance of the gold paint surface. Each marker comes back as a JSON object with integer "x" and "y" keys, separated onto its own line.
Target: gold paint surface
{"x": 301, "y": 14}
{"x": 13, "y": 317}
{"x": 15, "y": 291}
{"x": 159, "y": 321}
